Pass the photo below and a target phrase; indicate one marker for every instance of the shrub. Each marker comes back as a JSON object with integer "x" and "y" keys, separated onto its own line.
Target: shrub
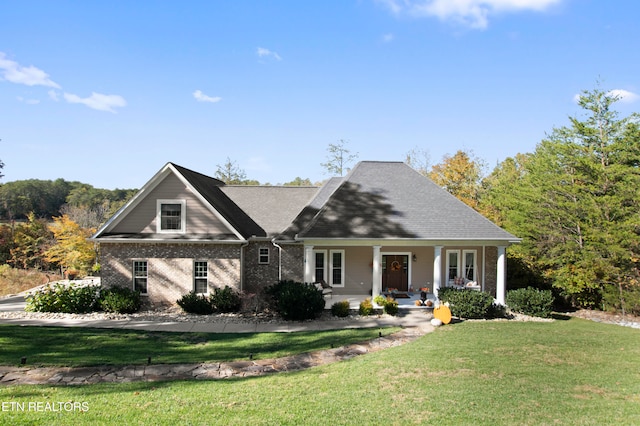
{"x": 467, "y": 303}
{"x": 70, "y": 299}
{"x": 390, "y": 306}
{"x": 225, "y": 300}
{"x": 366, "y": 307}
{"x": 340, "y": 309}
{"x": 531, "y": 301}
{"x": 380, "y": 300}
{"x": 296, "y": 301}
{"x": 194, "y": 303}
{"x": 120, "y": 299}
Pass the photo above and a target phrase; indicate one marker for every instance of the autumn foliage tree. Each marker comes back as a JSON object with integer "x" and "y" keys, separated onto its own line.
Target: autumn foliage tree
{"x": 72, "y": 250}
{"x": 461, "y": 175}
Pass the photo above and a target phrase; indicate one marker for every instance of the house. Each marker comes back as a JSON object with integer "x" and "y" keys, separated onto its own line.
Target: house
{"x": 383, "y": 226}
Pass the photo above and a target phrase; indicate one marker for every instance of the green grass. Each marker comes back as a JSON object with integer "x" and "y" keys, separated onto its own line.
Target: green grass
{"x": 572, "y": 372}
{"x": 74, "y": 347}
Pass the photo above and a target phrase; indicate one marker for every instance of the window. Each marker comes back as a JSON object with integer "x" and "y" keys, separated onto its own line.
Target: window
{"x": 320, "y": 265}
{"x": 469, "y": 264}
{"x": 263, "y": 255}
{"x": 452, "y": 265}
{"x": 461, "y": 269}
{"x": 336, "y": 267}
{"x": 171, "y": 216}
{"x": 201, "y": 277}
{"x": 140, "y": 274}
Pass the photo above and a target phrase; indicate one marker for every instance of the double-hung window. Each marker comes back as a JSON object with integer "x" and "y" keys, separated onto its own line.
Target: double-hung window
{"x": 329, "y": 267}
{"x": 263, "y": 255}
{"x": 461, "y": 266}
{"x": 201, "y": 277}
{"x": 171, "y": 216}
{"x": 140, "y": 276}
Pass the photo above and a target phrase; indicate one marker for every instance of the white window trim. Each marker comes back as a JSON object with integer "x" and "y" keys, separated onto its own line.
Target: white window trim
{"x": 475, "y": 264}
{"x": 183, "y": 216}
{"x": 462, "y": 264}
{"x": 195, "y": 277}
{"x": 324, "y": 253}
{"x": 342, "y": 269}
{"x": 134, "y": 276}
{"x": 260, "y": 255}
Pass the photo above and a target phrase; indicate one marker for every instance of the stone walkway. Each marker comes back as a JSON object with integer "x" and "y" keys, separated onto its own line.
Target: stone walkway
{"x": 10, "y": 375}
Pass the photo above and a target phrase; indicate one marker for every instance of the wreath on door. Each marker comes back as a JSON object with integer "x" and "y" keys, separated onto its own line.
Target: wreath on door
{"x": 395, "y": 265}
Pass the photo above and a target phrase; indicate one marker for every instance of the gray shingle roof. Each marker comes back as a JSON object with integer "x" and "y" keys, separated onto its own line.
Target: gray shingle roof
{"x": 391, "y": 200}
{"x": 273, "y": 208}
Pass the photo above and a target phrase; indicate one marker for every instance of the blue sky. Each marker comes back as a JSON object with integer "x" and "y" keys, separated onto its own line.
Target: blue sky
{"x": 107, "y": 92}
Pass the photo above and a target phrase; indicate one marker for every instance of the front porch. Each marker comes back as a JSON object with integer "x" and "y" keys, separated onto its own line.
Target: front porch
{"x": 355, "y": 300}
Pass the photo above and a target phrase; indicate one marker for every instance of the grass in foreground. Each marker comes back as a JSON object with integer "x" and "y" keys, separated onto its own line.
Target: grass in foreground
{"x": 571, "y": 372}
{"x": 73, "y": 347}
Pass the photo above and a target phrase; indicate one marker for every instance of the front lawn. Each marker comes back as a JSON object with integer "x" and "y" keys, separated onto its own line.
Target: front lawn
{"x": 572, "y": 372}
{"x": 75, "y": 347}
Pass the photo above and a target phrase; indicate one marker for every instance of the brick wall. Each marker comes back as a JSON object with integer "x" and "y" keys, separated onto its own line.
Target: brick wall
{"x": 491, "y": 273}
{"x": 258, "y": 276}
{"x": 170, "y": 267}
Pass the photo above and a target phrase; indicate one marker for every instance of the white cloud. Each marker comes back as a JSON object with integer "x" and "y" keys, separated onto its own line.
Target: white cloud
{"x": 30, "y": 76}
{"x": 621, "y": 94}
{"x": 624, "y": 95}
{"x": 471, "y": 13}
{"x": 266, "y": 53}
{"x": 201, "y": 97}
{"x": 98, "y": 101}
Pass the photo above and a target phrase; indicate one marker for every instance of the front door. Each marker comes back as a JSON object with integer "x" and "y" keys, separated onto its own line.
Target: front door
{"x": 394, "y": 272}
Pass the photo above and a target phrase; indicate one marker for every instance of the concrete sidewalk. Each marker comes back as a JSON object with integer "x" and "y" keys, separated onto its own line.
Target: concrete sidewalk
{"x": 409, "y": 320}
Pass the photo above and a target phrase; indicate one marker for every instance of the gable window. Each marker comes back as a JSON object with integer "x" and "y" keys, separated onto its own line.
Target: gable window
{"x": 140, "y": 275}
{"x": 263, "y": 255}
{"x": 200, "y": 277}
{"x": 171, "y": 216}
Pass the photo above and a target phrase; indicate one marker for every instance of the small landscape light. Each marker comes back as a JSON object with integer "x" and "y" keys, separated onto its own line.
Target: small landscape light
{"x": 250, "y": 356}
{"x": 148, "y": 360}
{"x": 23, "y": 360}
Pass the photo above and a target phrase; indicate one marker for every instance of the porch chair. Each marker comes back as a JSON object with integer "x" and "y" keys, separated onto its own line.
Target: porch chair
{"x": 326, "y": 288}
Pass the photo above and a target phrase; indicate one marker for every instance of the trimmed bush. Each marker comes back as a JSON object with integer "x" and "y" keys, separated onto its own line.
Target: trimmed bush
{"x": 225, "y": 300}
{"x": 69, "y": 299}
{"x": 366, "y": 307}
{"x": 471, "y": 304}
{"x": 390, "y": 306}
{"x": 296, "y": 301}
{"x": 340, "y": 309}
{"x": 531, "y": 301}
{"x": 380, "y": 300}
{"x": 194, "y": 303}
{"x": 121, "y": 300}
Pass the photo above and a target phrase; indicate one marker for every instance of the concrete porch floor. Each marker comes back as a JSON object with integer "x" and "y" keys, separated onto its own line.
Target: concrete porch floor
{"x": 354, "y": 300}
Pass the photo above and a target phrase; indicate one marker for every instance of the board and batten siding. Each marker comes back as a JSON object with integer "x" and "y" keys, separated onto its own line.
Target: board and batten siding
{"x": 200, "y": 220}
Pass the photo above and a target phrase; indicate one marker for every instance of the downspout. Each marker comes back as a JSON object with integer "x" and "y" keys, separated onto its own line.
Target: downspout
{"x": 273, "y": 241}
{"x": 242, "y": 246}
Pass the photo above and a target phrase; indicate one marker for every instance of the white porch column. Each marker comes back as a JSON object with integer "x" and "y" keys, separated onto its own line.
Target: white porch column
{"x": 308, "y": 264}
{"x": 437, "y": 269}
{"x": 501, "y": 278}
{"x": 376, "y": 279}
